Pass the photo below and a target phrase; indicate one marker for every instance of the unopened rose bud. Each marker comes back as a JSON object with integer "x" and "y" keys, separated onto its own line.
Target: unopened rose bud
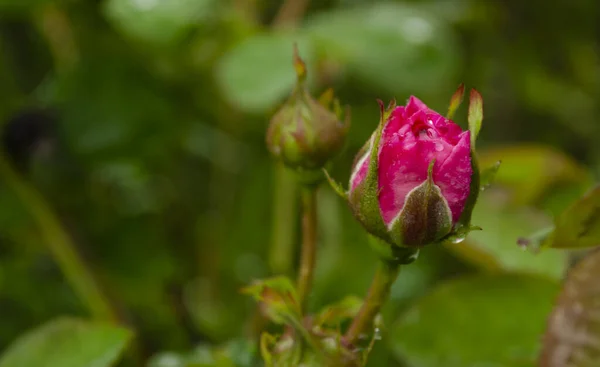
{"x": 421, "y": 182}
{"x": 305, "y": 133}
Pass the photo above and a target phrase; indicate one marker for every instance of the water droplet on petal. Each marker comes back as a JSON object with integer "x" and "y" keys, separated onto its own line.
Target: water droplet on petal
{"x": 439, "y": 147}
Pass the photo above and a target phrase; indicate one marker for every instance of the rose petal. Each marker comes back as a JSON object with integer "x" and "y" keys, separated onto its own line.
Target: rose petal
{"x": 414, "y": 104}
{"x": 454, "y": 176}
{"x": 403, "y": 164}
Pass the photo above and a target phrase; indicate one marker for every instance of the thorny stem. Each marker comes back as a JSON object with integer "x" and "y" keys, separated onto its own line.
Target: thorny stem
{"x": 309, "y": 244}
{"x": 61, "y": 246}
{"x": 379, "y": 291}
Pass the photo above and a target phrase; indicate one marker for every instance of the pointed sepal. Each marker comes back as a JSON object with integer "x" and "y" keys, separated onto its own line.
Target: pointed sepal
{"x": 425, "y": 218}
{"x": 299, "y": 66}
{"x": 475, "y": 115}
{"x": 364, "y": 198}
{"x": 463, "y": 226}
{"x": 456, "y": 101}
{"x": 475, "y": 118}
{"x": 488, "y": 175}
{"x": 338, "y": 188}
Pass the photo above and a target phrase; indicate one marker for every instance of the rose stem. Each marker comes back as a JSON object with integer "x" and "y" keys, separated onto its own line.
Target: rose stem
{"x": 290, "y": 13}
{"x": 284, "y": 222}
{"x": 379, "y": 291}
{"x": 309, "y": 243}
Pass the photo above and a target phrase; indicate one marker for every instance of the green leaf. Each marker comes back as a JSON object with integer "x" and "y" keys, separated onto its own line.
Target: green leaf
{"x": 579, "y": 225}
{"x": 259, "y": 72}
{"x": 280, "y": 299}
{"x": 393, "y": 46}
{"x": 495, "y": 246}
{"x": 333, "y": 315}
{"x": 481, "y": 320}
{"x": 157, "y": 21}
{"x": 573, "y": 326}
{"x": 538, "y": 174}
{"x": 67, "y": 342}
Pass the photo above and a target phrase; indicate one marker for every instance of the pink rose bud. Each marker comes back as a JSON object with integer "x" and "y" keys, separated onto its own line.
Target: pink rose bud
{"x": 414, "y": 180}
{"x": 306, "y": 133}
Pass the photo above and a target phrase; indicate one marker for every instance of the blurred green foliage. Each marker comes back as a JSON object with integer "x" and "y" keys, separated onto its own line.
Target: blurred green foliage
{"x": 159, "y": 174}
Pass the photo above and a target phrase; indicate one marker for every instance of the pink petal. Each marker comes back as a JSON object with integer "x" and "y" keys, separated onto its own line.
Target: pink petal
{"x": 454, "y": 176}
{"x": 414, "y": 104}
{"x": 403, "y": 164}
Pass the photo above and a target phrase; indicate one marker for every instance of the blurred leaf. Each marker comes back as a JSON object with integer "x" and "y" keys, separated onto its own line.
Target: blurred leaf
{"x": 210, "y": 314}
{"x": 21, "y": 5}
{"x": 495, "y": 246}
{"x": 333, "y": 315}
{"x": 574, "y": 327}
{"x": 239, "y": 352}
{"x": 235, "y": 353}
{"x": 530, "y": 171}
{"x": 157, "y": 21}
{"x": 279, "y": 299}
{"x": 167, "y": 359}
{"x": 392, "y": 46}
{"x": 579, "y": 225}
{"x": 67, "y": 342}
{"x": 475, "y": 321}
{"x": 259, "y": 72}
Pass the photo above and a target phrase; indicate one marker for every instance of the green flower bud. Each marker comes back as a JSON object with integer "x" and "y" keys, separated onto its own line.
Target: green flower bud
{"x": 306, "y": 133}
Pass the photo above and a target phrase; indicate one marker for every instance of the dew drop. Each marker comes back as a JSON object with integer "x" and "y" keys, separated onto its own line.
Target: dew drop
{"x": 439, "y": 147}
{"x": 377, "y": 334}
{"x": 458, "y": 239}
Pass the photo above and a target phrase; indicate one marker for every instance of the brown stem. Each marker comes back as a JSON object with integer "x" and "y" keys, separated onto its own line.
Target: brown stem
{"x": 379, "y": 291}
{"x": 309, "y": 243}
{"x": 290, "y": 13}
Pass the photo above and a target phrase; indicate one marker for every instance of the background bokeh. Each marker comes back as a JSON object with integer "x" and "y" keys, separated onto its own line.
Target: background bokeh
{"x": 140, "y": 127}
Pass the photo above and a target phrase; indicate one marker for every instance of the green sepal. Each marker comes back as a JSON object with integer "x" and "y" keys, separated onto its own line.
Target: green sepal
{"x": 456, "y": 101}
{"x": 475, "y": 115}
{"x": 425, "y": 218}
{"x": 338, "y": 188}
{"x": 488, "y": 175}
{"x": 364, "y": 199}
{"x": 463, "y": 226}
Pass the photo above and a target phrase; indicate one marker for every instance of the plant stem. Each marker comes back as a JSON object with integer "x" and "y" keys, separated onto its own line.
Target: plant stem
{"x": 60, "y": 245}
{"x": 290, "y": 13}
{"x": 309, "y": 243}
{"x": 284, "y": 222}
{"x": 55, "y": 26}
{"x": 379, "y": 291}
